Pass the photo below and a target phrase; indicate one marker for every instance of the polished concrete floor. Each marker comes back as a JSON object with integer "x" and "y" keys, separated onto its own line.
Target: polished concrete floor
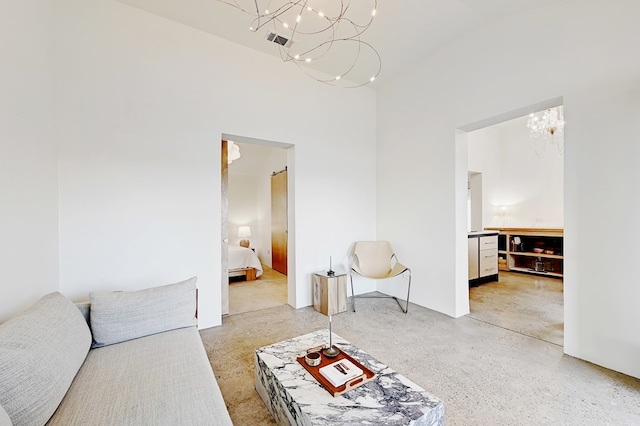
{"x": 485, "y": 374}
{"x": 526, "y": 303}
{"x": 267, "y": 291}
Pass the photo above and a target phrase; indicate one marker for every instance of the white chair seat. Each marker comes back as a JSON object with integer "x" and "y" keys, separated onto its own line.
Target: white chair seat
{"x": 376, "y": 260}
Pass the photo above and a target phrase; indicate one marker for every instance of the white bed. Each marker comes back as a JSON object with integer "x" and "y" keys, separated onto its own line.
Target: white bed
{"x": 241, "y": 259}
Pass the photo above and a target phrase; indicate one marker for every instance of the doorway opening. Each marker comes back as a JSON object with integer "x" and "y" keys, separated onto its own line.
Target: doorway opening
{"x": 249, "y": 280}
{"x": 515, "y": 195}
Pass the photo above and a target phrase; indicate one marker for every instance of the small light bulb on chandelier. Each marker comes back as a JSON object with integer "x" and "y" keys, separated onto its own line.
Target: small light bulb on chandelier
{"x": 285, "y": 25}
{"x": 309, "y": 8}
{"x": 296, "y": 57}
{"x": 298, "y": 18}
{"x": 373, "y": 13}
{"x": 266, "y": 12}
{"x": 372, "y": 78}
{"x": 308, "y": 60}
{"x": 250, "y": 28}
{"x": 338, "y": 78}
{"x": 321, "y": 14}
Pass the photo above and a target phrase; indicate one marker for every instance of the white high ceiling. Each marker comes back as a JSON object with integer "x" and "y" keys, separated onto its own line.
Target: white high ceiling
{"x": 403, "y": 32}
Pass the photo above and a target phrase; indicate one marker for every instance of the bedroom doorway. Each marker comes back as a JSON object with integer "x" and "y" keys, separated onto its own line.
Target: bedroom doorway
{"x": 249, "y": 279}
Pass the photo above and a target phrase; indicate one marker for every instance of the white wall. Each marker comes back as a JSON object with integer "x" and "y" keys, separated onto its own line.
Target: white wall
{"x": 589, "y": 63}
{"x": 529, "y": 186}
{"x": 143, "y": 104}
{"x": 28, "y": 164}
{"x": 485, "y": 157}
{"x": 601, "y": 235}
{"x": 243, "y": 207}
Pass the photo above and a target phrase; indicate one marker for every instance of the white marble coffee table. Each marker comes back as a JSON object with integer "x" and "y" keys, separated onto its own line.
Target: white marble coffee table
{"x": 294, "y": 397}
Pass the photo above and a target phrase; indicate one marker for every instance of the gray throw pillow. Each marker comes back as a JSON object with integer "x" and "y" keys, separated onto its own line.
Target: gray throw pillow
{"x": 84, "y": 308}
{"x": 119, "y": 316}
{"x": 41, "y": 350}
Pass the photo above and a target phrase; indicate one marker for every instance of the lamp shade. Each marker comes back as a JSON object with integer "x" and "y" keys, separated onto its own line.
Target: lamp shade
{"x": 233, "y": 152}
{"x": 244, "y": 231}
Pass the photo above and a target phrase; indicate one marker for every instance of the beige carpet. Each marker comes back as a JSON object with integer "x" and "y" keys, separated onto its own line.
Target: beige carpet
{"x": 525, "y": 303}
{"x": 267, "y": 291}
{"x": 486, "y": 375}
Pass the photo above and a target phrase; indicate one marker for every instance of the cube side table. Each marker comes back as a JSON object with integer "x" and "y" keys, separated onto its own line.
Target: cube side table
{"x": 330, "y": 292}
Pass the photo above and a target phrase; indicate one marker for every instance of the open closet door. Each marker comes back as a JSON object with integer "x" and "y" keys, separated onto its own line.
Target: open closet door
{"x": 279, "y": 231}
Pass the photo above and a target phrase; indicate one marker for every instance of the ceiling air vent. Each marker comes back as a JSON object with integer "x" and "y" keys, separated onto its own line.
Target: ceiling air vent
{"x": 278, "y": 39}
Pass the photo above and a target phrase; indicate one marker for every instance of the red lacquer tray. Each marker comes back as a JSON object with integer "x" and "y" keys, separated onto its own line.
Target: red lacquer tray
{"x": 366, "y": 376}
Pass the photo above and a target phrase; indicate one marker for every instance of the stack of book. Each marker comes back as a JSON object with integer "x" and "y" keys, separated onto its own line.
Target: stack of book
{"x": 340, "y": 372}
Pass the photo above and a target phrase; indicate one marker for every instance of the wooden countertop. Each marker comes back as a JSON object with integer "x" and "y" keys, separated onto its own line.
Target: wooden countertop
{"x": 530, "y": 231}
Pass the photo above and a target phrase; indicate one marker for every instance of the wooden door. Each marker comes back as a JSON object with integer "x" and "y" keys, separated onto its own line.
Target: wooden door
{"x": 279, "y": 231}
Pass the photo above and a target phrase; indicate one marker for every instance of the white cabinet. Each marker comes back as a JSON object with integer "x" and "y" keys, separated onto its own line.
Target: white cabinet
{"x": 483, "y": 257}
{"x": 488, "y": 255}
{"x": 473, "y": 259}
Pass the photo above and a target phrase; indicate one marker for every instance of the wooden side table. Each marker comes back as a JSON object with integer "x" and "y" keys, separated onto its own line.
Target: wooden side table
{"x": 330, "y": 292}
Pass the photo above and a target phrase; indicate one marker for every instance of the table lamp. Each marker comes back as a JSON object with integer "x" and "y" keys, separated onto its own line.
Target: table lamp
{"x": 244, "y": 232}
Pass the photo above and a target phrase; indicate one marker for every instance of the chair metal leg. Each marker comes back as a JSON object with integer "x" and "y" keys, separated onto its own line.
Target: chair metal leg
{"x": 408, "y": 290}
{"x": 353, "y": 294}
{"x": 404, "y": 309}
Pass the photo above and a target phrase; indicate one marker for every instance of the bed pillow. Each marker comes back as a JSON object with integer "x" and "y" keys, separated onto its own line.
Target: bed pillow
{"x": 117, "y": 316}
{"x": 41, "y": 351}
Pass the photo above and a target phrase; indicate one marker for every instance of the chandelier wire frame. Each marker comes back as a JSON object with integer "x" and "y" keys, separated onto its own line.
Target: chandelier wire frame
{"x": 314, "y": 34}
{"x": 547, "y": 127}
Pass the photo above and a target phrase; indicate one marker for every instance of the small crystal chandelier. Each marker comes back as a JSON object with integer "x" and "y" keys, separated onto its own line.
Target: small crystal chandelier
{"x": 322, "y": 32}
{"x": 547, "y": 126}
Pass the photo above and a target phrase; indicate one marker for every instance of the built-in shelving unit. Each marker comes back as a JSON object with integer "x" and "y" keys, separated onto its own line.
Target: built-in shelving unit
{"x": 531, "y": 250}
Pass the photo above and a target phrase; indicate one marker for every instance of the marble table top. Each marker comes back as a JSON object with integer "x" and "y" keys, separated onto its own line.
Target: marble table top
{"x": 294, "y": 397}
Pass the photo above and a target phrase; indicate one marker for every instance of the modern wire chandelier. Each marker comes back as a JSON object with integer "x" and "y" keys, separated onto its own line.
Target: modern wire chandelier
{"x": 324, "y": 33}
{"x": 547, "y": 127}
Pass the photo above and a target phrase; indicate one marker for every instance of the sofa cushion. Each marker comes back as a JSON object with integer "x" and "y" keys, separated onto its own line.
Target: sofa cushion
{"x": 84, "y": 308}
{"x": 41, "y": 350}
{"x": 119, "y": 316}
{"x": 162, "y": 379}
{"x": 4, "y": 418}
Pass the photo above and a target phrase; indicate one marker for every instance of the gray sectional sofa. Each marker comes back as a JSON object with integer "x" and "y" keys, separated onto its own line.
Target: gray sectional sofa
{"x": 133, "y": 358}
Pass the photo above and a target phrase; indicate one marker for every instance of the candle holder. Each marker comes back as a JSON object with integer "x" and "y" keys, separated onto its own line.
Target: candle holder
{"x": 330, "y": 272}
{"x": 331, "y": 351}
